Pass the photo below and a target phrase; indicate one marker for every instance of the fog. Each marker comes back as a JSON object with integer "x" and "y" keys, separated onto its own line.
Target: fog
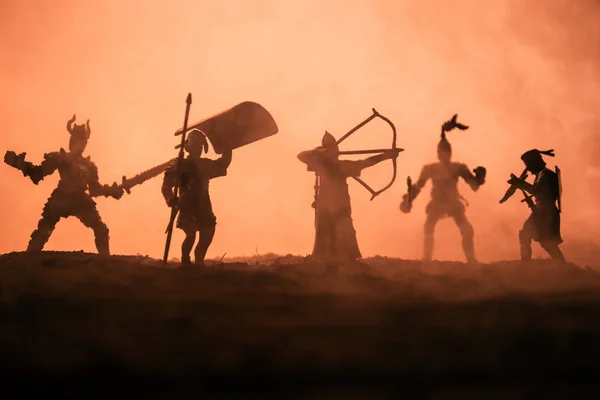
{"x": 522, "y": 74}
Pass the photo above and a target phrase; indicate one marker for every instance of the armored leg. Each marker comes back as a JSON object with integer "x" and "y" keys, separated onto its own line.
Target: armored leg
{"x": 430, "y": 223}
{"x": 89, "y": 217}
{"x": 467, "y": 233}
{"x": 553, "y": 250}
{"x": 50, "y": 217}
{"x": 206, "y": 237}
{"x": 187, "y": 245}
{"x": 526, "y": 235}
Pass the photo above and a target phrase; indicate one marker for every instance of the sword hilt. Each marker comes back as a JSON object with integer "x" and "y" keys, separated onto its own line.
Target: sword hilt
{"x": 127, "y": 189}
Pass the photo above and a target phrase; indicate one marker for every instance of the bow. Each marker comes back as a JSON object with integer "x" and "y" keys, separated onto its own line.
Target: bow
{"x": 374, "y": 193}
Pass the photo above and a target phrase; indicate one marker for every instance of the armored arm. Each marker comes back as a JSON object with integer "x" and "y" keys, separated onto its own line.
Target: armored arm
{"x": 414, "y": 190}
{"x": 225, "y": 160}
{"x": 311, "y": 156}
{"x": 520, "y": 183}
{"x": 169, "y": 182}
{"x": 418, "y": 186}
{"x": 476, "y": 178}
{"x": 35, "y": 172}
{"x": 374, "y": 160}
{"x": 97, "y": 189}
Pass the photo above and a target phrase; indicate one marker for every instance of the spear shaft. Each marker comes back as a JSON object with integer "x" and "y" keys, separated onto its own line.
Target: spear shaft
{"x": 179, "y": 169}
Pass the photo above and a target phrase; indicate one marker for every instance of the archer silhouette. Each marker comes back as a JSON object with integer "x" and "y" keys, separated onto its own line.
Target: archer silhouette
{"x": 445, "y": 198}
{"x": 334, "y": 231}
{"x": 195, "y": 208}
{"x": 543, "y": 225}
{"x": 78, "y": 176}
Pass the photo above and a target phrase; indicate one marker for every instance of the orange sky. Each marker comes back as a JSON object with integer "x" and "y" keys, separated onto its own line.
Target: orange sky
{"x": 522, "y": 76}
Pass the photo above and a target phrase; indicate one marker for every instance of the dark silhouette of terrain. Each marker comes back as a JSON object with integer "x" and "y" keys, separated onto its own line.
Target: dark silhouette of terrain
{"x": 88, "y": 325}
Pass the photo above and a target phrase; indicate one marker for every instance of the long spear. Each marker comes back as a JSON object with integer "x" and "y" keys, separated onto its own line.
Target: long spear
{"x": 179, "y": 168}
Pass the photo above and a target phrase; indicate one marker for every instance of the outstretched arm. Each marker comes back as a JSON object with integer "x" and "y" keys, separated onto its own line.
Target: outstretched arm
{"x": 35, "y": 172}
{"x": 421, "y": 182}
{"x": 415, "y": 189}
{"x": 311, "y": 156}
{"x": 97, "y": 189}
{"x": 374, "y": 160}
{"x": 475, "y": 179}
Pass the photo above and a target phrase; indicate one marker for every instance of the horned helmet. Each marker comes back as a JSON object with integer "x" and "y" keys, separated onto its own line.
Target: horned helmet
{"x": 196, "y": 142}
{"x": 444, "y": 148}
{"x": 534, "y": 161}
{"x": 79, "y": 135}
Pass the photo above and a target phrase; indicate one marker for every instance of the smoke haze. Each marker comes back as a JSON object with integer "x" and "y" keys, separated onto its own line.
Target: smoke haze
{"x": 521, "y": 74}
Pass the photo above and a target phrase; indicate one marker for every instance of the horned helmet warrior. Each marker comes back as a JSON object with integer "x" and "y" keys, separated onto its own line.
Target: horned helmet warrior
{"x": 444, "y": 149}
{"x": 79, "y": 136}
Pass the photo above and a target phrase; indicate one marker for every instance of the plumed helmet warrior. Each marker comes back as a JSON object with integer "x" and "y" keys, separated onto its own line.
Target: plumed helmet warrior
{"x": 535, "y": 156}
{"x": 79, "y": 132}
{"x": 444, "y": 145}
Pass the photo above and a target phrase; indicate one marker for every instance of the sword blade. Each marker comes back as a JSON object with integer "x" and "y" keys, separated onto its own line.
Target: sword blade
{"x": 142, "y": 177}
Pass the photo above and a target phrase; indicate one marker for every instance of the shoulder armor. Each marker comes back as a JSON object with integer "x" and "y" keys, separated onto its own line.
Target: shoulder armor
{"x": 55, "y": 155}
{"x": 90, "y": 162}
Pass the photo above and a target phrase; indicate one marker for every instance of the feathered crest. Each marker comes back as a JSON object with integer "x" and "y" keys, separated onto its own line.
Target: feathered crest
{"x": 535, "y": 153}
{"x": 452, "y": 124}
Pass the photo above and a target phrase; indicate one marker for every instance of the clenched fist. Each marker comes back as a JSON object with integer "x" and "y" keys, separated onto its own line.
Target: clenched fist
{"x": 480, "y": 173}
{"x": 115, "y": 191}
{"x": 405, "y": 205}
{"x": 16, "y": 161}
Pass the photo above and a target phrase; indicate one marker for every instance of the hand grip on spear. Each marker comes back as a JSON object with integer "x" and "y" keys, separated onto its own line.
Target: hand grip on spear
{"x": 179, "y": 168}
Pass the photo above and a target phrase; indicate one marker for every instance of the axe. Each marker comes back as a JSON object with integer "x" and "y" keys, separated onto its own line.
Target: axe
{"x": 512, "y": 189}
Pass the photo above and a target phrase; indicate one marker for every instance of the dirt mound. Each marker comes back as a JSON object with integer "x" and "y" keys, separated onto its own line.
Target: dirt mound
{"x": 290, "y": 324}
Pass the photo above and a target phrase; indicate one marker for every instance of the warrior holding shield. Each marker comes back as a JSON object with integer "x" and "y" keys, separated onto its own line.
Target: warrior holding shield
{"x": 241, "y": 125}
{"x": 543, "y": 225}
{"x": 195, "y": 208}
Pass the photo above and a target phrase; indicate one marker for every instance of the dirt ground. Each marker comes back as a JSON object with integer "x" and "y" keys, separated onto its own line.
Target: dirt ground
{"x": 292, "y": 327}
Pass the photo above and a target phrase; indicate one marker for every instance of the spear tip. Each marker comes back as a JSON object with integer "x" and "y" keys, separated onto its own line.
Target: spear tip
{"x": 189, "y": 99}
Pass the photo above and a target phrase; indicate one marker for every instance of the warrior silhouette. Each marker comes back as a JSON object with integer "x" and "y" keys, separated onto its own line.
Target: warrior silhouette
{"x": 195, "y": 208}
{"x": 334, "y": 231}
{"x": 445, "y": 198}
{"x": 73, "y": 197}
{"x": 543, "y": 225}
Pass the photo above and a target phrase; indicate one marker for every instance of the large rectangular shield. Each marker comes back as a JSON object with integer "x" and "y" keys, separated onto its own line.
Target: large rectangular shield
{"x": 557, "y": 170}
{"x": 242, "y": 124}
